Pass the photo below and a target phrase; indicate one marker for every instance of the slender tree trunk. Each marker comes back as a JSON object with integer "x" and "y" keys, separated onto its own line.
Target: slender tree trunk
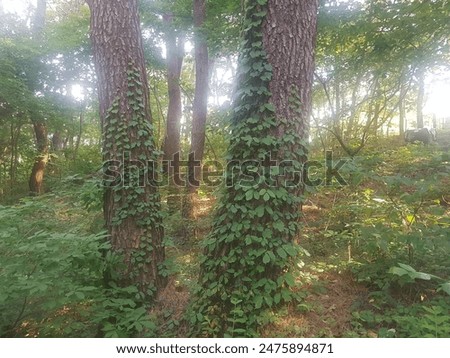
{"x": 57, "y": 141}
{"x": 36, "y": 180}
{"x": 175, "y": 55}
{"x": 37, "y": 172}
{"x": 353, "y": 111}
{"x": 337, "y": 111}
{"x": 171, "y": 146}
{"x": 402, "y": 110}
{"x": 420, "y": 97}
{"x": 131, "y": 200}
{"x": 15, "y": 136}
{"x": 200, "y": 109}
{"x": 80, "y": 133}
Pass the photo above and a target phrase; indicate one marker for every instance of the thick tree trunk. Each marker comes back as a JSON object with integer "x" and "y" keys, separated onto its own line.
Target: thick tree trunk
{"x": 131, "y": 200}
{"x": 290, "y": 49}
{"x": 199, "y": 111}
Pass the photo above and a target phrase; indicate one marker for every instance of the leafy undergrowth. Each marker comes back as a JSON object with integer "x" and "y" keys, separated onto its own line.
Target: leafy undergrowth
{"x": 376, "y": 260}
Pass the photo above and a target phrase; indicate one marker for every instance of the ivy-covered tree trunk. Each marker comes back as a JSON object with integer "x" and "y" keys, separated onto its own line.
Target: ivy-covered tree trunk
{"x": 131, "y": 200}
{"x": 36, "y": 180}
{"x": 246, "y": 269}
{"x": 200, "y": 108}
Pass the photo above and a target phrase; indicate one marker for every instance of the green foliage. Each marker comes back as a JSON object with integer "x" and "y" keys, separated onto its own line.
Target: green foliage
{"x": 53, "y": 270}
{"x": 430, "y": 320}
{"x": 389, "y": 224}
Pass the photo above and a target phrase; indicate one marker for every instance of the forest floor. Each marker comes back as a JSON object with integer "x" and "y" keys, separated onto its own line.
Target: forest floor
{"x": 345, "y": 284}
{"x": 363, "y": 244}
{"x": 330, "y": 294}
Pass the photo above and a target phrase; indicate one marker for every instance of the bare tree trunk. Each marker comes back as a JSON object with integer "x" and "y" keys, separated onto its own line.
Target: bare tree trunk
{"x": 36, "y": 180}
{"x": 37, "y": 172}
{"x": 200, "y": 109}
{"x": 420, "y": 97}
{"x": 57, "y": 141}
{"x": 175, "y": 55}
{"x": 402, "y": 110}
{"x": 171, "y": 146}
{"x": 131, "y": 199}
{"x": 15, "y": 135}
{"x": 80, "y": 133}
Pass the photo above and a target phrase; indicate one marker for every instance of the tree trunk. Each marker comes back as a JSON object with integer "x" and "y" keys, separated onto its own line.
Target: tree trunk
{"x": 15, "y": 137}
{"x": 36, "y": 180}
{"x": 200, "y": 109}
{"x": 57, "y": 141}
{"x": 80, "y": 133}
{"x": 402, "y": 110}
{"x": 37, "y": 172}
{"x": 171, "y": 146}
{"x": 420, "y": 97}
{"x": 175, "y": 54}
{"x": 131, "y": 200}
{"x": 245, "y": 270}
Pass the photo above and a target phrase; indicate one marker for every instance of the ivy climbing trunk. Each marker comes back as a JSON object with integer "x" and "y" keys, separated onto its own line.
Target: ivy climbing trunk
{"x": 199, "y": 110}
{"x": 131, "y": 199}
{"x": 36, "y": 180}
{"x": 248, "y": 263}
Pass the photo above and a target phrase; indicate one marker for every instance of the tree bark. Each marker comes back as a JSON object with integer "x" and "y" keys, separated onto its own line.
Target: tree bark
{"x": 290, "y": 49}
{"x": 131, "y": 199}
{"x": 200, "y": 108}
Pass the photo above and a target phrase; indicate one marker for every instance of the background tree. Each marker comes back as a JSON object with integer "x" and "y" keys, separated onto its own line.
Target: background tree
{"x": 200, "y": 106}
{"x": 39, "y": 126}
